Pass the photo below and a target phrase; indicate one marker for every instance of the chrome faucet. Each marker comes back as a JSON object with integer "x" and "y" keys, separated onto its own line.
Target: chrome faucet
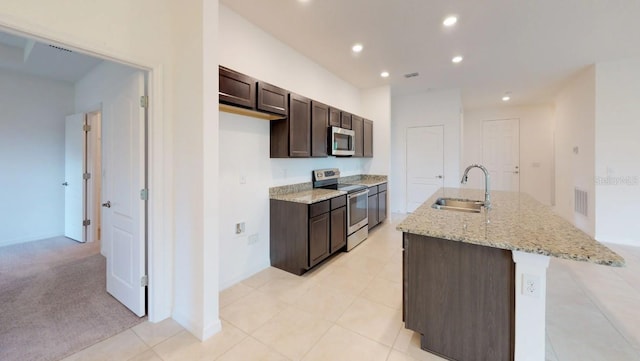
{"x": 487, "y": 195}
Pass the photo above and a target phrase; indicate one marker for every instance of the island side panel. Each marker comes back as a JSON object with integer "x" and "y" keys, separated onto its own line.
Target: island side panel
{"x": 460, "y": 297}
{"x": 288, "y": 235}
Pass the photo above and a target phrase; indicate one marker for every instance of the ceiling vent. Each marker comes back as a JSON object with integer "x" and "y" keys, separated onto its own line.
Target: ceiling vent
{"x": 61, "y": 49}
{"x": 411, "y": 75}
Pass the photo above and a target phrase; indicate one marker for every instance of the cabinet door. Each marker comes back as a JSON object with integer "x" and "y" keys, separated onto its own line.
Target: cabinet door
{"x": 334, "y": 117}
{"x": 345, "y": 120}
{"x": 338, "y": 228}
{"x": 319, "y": 121}
{"x": 357, "y": 126}
{"x": 368, "y": 138}
{"x": 382, "y": 206}
{"x": 236, "y": 89}
{"x": 318, "y": 239}
{"x": 373, "y": 211}
{"x": 272, "y": 99}
{"x": 299, "y": 126}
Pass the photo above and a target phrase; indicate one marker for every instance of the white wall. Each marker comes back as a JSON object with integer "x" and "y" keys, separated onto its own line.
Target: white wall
{"x": 536, "y": 146}
{"x": 617, "y": 152}
{"x": 424, "y": 109}
{"x": 32, "y": 121}
{"x": 244, "y": 141}
{"x": 376, "y": 105}
{"x": 173, "y": 39}
{"x": 575, "y": 127}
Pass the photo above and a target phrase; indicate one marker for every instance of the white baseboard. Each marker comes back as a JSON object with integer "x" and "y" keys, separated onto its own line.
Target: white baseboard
{"x": 195, "y": 328}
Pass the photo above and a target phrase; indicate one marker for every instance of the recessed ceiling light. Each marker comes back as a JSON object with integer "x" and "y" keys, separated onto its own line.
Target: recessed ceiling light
{"x": 506, "y": 98}
{"x": 457, "y": 59}
{"x": 356, "y": 48}
{"x": 384, "y": 74}
{"x": 450, "y": 21}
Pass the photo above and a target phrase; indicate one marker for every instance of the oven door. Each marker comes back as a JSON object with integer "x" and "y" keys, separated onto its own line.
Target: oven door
{"x": 357, "y": 210}
{"x": 341, "y": 142}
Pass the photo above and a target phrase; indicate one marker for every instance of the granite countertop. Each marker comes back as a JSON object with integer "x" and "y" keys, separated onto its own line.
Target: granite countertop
{"x": 305, "y": 193}
{"x": 515, "y": 222}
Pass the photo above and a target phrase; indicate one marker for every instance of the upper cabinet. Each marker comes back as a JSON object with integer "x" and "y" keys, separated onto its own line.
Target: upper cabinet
{"x": 272, "y": 99}
{"x": 367, "y": 138}
{"x": 319, "y": 128}
{"x": 356, "y": 124}
{"x": 299, "y": 125}
{"x": 236, "y": 89}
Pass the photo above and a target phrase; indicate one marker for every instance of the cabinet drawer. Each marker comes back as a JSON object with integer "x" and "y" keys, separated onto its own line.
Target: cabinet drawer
{"x": 338, "y": 202}
{"x": 318, "y": 208}
{"x": 373, "y": 190}
{"x": 382, "y": 187}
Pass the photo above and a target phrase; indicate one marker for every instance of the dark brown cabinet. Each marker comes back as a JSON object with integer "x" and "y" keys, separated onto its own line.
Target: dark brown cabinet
{"x": 272, "y": 99}
{"x": 367, "y": 138}
{"x": 357, "y": 126}
{"x": 334, "y": 117}
{"x": 303, "y": 235}
{"x": 345, "y": 120}
{"x": 319, "y": 120}
{"x": 236, "y": 89}
{"x": 377, "y": 204}
{"x": 291, "y": 137}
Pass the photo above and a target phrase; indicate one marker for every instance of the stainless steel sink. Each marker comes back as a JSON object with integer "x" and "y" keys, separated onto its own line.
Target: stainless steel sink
{"x": 460, "y": 205}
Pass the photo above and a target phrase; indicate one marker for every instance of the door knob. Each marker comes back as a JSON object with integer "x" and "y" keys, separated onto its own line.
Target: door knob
{"x": 65, "y": 184}
{"x": 107, "y": 205}
{"x": 516, "y": 172}
{"x": 439, "y": 176}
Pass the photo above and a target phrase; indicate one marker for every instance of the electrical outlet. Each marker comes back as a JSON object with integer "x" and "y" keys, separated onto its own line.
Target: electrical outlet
{"x": 253, "y": 239}
{"x": 531, "y": 285}
{"x": 240, "y": 228}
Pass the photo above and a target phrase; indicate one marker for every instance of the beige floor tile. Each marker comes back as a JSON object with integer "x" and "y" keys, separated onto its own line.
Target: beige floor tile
{"x": 325, "y": 302}
{"x": 251, "y": 349}
{"x": 392, "y": 271}
{"x": 122, "y": 346}
{"x": 417, "y": 353}
{"x": 377, "y": 322}
{"x": 363, "y": 264}
{"x": 148, "y": 355}
{"x": 403, "y": 340}
{"x": 396, "y": 355}
{"x": 154, "y": 333}
{"x": 184, "y": 346}
{"x": 252, "y": 311}
{"x": 340, "y": 344}
{"x": 384, "y": 292}
{"x": 233, "y": 293}
{"x": 266, "y": 275}
{"x": 346, "y": 280}
{"x": 292, "y": 332}
{"x": 287, "y": 290}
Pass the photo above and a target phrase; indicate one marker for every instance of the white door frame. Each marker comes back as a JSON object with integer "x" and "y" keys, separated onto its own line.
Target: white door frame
{"x": 159, "y": 168}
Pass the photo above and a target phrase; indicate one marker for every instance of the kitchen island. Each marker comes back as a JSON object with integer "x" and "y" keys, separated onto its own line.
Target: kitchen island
{"x": 475, "y": 283}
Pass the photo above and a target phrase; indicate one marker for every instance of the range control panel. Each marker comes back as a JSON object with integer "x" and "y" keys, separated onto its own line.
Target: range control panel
{"x": 324, "y": 174}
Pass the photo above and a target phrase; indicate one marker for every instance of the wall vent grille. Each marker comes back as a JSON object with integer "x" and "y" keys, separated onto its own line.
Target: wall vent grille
{"x": 581, "y": 201}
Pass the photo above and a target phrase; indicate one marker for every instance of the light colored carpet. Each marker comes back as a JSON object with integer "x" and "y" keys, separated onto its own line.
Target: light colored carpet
{"x": 55, "y": 305}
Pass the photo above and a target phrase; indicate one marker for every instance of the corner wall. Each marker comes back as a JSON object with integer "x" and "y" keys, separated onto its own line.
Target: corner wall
{"x": 536, "y": 146}
{"x": 617, "y": 152}
{"x": 575, "y": 148}
{"x": 32, "y": 123}
{"x": 424, "y": 109}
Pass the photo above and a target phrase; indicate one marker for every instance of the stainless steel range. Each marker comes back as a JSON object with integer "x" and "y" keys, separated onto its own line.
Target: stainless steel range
{"x": 357, "y": 203}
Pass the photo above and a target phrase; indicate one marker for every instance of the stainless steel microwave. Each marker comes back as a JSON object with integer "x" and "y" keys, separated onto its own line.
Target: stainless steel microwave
{"x": 341, "y": 142}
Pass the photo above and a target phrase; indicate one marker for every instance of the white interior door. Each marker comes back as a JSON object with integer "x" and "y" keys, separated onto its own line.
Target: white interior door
{"x": 74, "y": 184}
{"x": 123, "y": 216}
{"x": 501, "y": 153}
{"x": 425, "y": 163}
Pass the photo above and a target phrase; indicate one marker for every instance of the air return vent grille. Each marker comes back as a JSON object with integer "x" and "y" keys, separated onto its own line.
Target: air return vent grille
{"x": 581, "y": 201}
{"x": 61, "y": 49}
{"x": 411, "y": 75}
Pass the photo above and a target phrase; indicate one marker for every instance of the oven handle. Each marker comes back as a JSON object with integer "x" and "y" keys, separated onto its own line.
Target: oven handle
{"x": 353, "y": 195}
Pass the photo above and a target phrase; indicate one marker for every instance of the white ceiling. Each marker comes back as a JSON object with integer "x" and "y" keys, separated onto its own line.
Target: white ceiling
{"x": 528, "y": 47}
{"x": 27, "y": 56}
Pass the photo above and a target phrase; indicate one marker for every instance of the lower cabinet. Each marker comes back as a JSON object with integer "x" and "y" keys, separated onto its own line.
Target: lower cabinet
{"x": 377, "y": 204}
{"x": 303, "y": 235}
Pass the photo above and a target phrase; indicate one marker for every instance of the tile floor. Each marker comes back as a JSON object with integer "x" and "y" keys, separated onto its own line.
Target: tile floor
{"x": 350, "y": 309}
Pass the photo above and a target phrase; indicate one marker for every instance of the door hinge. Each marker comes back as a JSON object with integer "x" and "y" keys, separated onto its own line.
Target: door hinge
{"x": 86, "y": 222}
{"x": 144, "y": 281}
{"x": 86, "y": 176}
{"x": 86, "y": 127}
{"x": 144, "y": 194}
{"x": 144, "y": 101}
